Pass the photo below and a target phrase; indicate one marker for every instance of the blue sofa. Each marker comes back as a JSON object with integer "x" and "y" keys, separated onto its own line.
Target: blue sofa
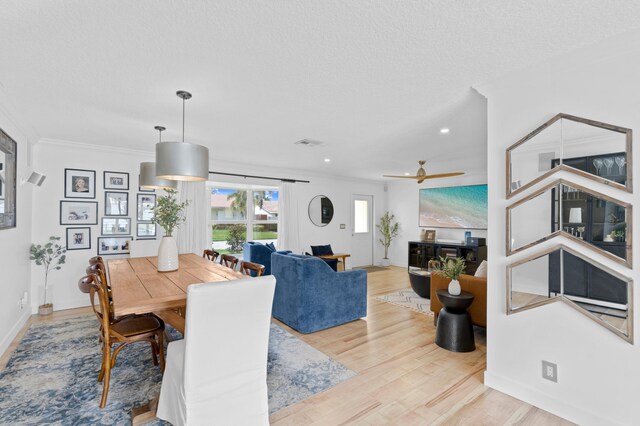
{"x": 259, "y": 253}
{"x": 310, "y": 296}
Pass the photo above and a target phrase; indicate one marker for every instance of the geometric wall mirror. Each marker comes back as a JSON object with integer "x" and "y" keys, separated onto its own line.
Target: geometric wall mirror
{"x": 587, "y": 217}
{"x": 592, "y": 149}
{"x": 8, "y": 178}
{"x": 560, "y": 274}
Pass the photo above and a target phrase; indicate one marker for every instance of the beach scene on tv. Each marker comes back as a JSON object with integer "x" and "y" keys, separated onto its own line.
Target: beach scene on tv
{"x": 454, "y": 207}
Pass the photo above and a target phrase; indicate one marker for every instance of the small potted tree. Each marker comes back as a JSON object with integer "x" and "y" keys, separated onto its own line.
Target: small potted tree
{"x": 452, "y": 267}
{"x": 389, "y": 230}
{"x": 52, "y": 256}
{"x": 169, "y": 214}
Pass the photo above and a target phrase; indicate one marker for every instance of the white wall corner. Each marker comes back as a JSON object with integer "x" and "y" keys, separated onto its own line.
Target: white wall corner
{"x": 22, "y": 320}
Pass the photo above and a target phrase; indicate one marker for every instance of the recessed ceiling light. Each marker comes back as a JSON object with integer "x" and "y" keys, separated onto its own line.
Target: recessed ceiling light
{"x": 444, "y": 130}
{"x": 407, "y": 174}
{"x": 326, "y": 160}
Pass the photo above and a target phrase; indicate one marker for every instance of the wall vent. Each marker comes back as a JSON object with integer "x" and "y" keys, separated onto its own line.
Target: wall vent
{"x": 308, "y": 143}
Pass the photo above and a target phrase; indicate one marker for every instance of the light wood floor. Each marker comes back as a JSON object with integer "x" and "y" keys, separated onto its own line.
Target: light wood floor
{"x": 403, "y": 377}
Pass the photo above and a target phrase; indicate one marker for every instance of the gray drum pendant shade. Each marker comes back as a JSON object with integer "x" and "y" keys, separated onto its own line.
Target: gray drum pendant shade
{"x": 148, "y": 179}
{"x": 181, "y": 160}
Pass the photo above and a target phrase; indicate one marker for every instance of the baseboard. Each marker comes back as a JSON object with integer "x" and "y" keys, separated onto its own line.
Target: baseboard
{"x": 4, "y": 345}
{"x": 543, "y": 401}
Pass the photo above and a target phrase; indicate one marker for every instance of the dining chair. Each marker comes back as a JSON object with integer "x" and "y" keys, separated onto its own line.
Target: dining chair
{"x": 138, "y": 328}
{"x": 212, "y": 376}
{"x": 211, "y": 255}
{"x": 248, "y": 267}
{"x": 228, "y": 261}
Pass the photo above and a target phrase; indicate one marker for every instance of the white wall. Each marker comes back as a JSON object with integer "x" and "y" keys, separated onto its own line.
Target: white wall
{"x": 599, "y": 373}
{"x": 15, "y": 265}
{"x": 52, "y": 157}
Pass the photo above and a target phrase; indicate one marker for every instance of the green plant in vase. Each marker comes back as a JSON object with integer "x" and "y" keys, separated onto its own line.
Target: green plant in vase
{"x": 169, "y": 214}
{"x": 389, "y": 230}
{"x": 618, "y": 235}
{"x": 52, "y": 256}
{"x": 452, "y": 267}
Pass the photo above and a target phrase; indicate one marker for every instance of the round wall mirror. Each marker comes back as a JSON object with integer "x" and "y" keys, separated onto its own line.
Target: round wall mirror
{"x": 320, "y": 210}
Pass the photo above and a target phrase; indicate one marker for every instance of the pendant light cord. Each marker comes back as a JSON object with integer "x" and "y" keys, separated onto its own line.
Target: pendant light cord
{"x": 183, "y": 101}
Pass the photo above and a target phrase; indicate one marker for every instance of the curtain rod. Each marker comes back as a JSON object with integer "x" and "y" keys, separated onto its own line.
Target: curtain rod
{"x": 260, "y": 177}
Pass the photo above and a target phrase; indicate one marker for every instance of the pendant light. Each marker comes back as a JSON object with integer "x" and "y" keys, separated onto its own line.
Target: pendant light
{"x": 182, "y": 160}
{"x": 148, "y": 179}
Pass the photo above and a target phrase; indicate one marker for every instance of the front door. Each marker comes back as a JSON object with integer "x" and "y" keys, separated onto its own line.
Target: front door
{"x": 361, "y": 231}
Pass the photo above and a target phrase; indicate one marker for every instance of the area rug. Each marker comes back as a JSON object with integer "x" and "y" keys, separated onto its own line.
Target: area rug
{"x": 372, "y": 268}
{"x": 51, "y": 378}
{"x": 408, "y": 299}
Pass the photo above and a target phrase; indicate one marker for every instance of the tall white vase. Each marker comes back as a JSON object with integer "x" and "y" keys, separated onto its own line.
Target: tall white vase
{"x": 454, "y": 288}
{"x": 168, "y": 255}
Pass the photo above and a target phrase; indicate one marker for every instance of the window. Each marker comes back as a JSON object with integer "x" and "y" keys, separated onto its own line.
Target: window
{"x": 243, "y": 213}
{"x": 360, "y": 216}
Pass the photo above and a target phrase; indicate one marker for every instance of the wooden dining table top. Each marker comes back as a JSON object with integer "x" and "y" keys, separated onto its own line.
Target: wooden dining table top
{"x": 138, "y": 288}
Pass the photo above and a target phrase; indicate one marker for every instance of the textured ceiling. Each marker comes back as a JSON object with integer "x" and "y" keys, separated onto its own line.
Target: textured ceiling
{"x": 373, "y": 80}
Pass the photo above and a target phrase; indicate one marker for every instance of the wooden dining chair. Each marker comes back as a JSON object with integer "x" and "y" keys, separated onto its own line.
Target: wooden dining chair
{"x": 139, "y": 328}
{"x": 96, "y": 259}
{"x": 229, "y": 261}
{"x": 248, "y": 267}
{"x": 211, "y": 255}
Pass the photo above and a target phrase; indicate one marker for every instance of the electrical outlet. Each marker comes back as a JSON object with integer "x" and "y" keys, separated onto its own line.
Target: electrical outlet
{"x": 24, "y": 300}
{"x": 550, "y": 371}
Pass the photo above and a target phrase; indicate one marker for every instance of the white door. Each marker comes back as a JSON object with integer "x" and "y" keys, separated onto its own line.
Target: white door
{"x": 361, "y": 231}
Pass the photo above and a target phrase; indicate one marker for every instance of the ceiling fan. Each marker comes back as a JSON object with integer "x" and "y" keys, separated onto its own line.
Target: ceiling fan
{"x": 421, "y": 174}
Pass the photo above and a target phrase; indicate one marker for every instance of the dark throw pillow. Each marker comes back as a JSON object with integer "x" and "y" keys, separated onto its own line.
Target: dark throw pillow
{"x": 271, "y": 246}
{"x": 321, "y": 250}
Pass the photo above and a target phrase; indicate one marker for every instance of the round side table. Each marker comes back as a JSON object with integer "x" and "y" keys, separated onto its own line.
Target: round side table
{"x": 454, "y": 331}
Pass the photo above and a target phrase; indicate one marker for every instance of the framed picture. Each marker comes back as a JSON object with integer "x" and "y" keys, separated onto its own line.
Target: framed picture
{"x": 116, "y": 203}
{"x": 79, "y": 183}
{"x": 78, "y": 212}
{"x": 113, "y": 245}
{"x": 146, "y": 231}
{"x": 116, "y": 180}
{"x": 146, "y": 204}
{"x": 79, "y": 238}
{"x": 430, "y": 235}
{"x": 141, "y": 189}
{"x": 116, "y": 226}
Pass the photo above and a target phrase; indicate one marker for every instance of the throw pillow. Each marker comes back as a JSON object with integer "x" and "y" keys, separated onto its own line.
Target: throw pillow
{"x": 271, "y": 246}
{"x": 321, "y": 250}
{"x": 482, "y": 270}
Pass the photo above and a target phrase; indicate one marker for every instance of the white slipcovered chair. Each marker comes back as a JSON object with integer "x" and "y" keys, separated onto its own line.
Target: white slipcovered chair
{"x": 217, "y": 375}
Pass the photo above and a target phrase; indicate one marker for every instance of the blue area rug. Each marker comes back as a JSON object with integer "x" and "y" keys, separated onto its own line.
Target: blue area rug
{"x": 51, "y": 378}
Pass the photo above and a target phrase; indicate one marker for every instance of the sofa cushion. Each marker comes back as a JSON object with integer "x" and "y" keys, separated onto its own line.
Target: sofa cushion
{"x": 271, "y": 246}
{"x": 482, "y": 270}
{"x": 321, "y": 250}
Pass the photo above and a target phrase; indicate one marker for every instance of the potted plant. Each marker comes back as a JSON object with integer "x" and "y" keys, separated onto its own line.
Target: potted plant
{"x": 52, "y": 256}
{"x": 169, "y": 214}
{"x": 452, "y": 267}
{"x": 389, "y": 231}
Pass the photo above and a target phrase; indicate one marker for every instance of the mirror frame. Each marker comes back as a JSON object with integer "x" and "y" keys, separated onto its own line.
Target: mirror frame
{"x": 322, "y": 225}
{"x": 629, "y": 245}
{"x": 10, "y": 148}
{"x": 629, "y": 136}
{"x": 562, "y": 298}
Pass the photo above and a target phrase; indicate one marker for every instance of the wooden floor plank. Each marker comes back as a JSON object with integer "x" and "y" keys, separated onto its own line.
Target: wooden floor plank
{"x": 403, "y": 377}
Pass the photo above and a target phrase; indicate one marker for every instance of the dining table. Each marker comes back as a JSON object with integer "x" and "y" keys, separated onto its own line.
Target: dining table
{"x": 138, "y": 288}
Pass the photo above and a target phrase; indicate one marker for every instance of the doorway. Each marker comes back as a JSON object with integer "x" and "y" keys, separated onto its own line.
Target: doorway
{"x": 361, "y": 230}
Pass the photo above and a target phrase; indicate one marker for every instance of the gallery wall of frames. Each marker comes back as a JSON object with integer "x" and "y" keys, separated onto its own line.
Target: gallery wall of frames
{"x": 119, "y": 221}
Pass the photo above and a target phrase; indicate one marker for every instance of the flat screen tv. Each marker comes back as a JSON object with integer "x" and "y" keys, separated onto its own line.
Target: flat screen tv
{"x": 462, "y": 207}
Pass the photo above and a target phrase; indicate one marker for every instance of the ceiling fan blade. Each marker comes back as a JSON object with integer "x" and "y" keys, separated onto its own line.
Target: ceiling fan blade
{"x": 443, "y": 175}
{"x": 402, "y": 177}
